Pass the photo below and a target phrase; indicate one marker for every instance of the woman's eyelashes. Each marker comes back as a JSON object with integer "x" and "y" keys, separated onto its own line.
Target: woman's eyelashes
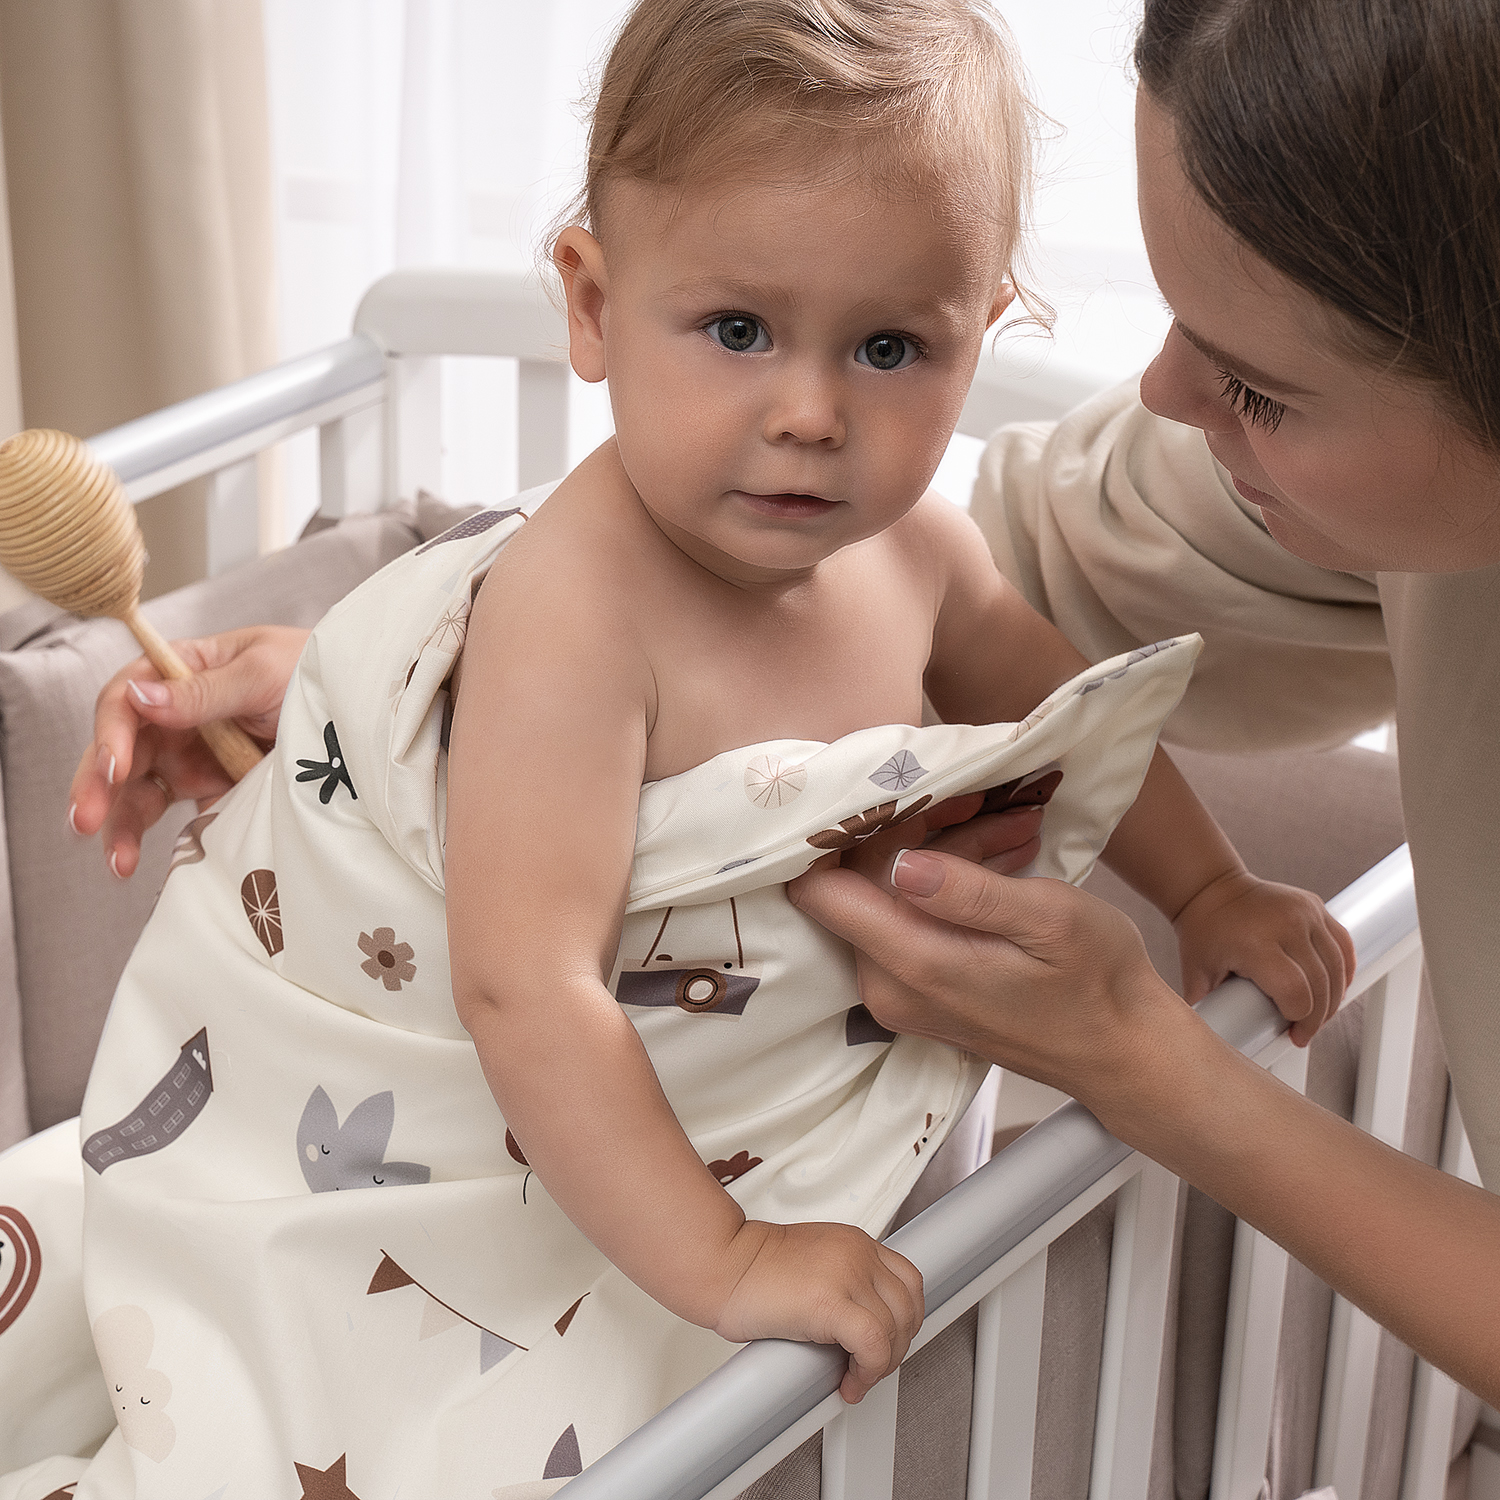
{"x": 741, "y": 334}
{"x": 1249, "y": 405}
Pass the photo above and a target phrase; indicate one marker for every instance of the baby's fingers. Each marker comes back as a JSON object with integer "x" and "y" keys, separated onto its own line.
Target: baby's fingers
{"x": 876, "y": 1345}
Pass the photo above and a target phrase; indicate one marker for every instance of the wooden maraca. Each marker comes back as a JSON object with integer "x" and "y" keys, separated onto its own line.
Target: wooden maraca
{"x": 69, "y": 534}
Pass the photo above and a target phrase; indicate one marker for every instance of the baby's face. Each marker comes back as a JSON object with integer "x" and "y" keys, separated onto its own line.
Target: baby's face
{"x": 786, "y": 363}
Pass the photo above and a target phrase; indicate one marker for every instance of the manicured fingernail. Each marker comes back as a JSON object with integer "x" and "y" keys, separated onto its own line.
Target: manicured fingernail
{"x": 114, "y": 869}
{"x": 105, "y": 760}
{"x": 72, "y": 818}
{"x": 151, "y": 694}
{"x": 917, "y": 873}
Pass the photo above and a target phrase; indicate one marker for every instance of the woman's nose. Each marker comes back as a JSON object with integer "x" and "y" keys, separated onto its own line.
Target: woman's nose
{"x": 806, "y": 410}
{"x": 1182, "y": 384}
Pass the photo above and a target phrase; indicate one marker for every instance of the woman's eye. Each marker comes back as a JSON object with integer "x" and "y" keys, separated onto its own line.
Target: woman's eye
{"x": 886, "y": 351}
{"x": 1249, "y": 405}
{"x": 740, "y": 334}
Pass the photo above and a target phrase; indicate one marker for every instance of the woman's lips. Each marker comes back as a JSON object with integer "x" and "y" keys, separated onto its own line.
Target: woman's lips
{"x": 788, "y": 506}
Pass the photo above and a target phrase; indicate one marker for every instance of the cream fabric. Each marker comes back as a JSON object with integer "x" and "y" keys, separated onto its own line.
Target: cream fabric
{"x": 1120, "y": 527}
{"x": 285, "y": 1029}
{"x": 137, "y": 146}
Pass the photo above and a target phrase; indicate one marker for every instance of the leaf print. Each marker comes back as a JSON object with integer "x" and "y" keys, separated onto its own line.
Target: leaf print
{"x": 772, "y": 782}
{"x": 330, "y": 772}
{"x": 858, "y": 828}
{"x": 901, "y": 771}
{"x": 388, "y": 961}
{"x": 258, "y": 893}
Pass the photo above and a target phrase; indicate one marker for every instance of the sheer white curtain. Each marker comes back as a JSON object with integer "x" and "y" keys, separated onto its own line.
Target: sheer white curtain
{"x": 419, "y": 132}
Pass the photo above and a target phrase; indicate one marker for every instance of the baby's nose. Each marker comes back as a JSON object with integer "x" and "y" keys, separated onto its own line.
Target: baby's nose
{"x": 807, "y": 410}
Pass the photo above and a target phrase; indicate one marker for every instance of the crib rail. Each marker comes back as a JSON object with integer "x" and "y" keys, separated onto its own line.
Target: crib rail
{"x": 984, "y": 1244}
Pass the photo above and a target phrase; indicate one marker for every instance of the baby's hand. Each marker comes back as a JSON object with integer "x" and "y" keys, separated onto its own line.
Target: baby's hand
{"x": 827, "y": 1284}
{"x": 1277, "y": 936}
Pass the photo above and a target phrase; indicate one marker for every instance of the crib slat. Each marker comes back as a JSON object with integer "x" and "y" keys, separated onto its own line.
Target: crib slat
{"x": 1007, "y": 1366}
{"x": 232, "y": 522}
{"x": 414, "y": 428}
{"x": 1134, "y": 1331}
{"x": 351, "y": 462}
{"x": 1252, "y": 1342}
{"x": 859, "y": 1447}
{"x": 1380, "y": 1103}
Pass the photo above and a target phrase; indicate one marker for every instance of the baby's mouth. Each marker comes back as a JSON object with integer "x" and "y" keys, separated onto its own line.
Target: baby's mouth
{"x": 789, "y": 505}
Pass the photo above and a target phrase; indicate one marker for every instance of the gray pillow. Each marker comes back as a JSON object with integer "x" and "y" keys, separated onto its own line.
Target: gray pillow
{"x": 74, "y": 924}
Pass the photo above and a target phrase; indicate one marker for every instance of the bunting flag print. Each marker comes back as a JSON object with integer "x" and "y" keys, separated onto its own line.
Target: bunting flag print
{"x": 171, "y": 1106}
{"x": 438, "y": 1317}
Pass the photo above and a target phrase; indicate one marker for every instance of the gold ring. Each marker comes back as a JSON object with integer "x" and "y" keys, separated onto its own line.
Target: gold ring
{"x": 157, "y": 779}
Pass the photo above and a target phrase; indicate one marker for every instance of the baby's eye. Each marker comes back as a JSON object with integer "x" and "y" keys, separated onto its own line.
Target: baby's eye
{"x": 886, "y": 351}
{"x": 740, "y": 334}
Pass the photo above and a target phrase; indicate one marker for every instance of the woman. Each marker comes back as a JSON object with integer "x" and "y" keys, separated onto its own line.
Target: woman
{"x": 1319, "y": 203}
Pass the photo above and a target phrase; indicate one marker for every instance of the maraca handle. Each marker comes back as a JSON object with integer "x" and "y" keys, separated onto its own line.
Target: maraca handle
{"x": 232, "y": 747}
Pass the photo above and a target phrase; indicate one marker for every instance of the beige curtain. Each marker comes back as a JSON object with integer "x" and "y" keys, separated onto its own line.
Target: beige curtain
{"x": 137, "y": 150}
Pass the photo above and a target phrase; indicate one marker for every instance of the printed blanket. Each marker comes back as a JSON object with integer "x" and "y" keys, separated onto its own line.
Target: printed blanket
{"x": 315, "y": 1262}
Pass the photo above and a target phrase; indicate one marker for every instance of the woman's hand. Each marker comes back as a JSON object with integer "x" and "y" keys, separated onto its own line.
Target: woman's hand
{"x": 1032, "y": 974}
{"x": 1279, "y": 937}
{"x": 146, "y": 752}
{"x": 826, "y": 1284}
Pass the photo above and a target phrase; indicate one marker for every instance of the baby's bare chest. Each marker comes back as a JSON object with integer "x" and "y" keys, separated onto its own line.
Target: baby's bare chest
{"x": 851, "y": 661}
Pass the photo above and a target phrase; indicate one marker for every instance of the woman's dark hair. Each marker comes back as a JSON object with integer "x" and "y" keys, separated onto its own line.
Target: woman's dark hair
{"x": 1355, "y": 146}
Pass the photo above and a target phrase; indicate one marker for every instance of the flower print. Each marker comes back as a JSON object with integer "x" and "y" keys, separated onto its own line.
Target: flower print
{"x": 852, "y": 831}
{"x": 388, "y": 961}
{"x": 330, "y": 772}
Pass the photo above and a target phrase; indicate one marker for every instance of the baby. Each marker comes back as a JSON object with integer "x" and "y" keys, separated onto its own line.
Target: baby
{"x": 798, "y": 224}
{"x": 671, "y": 688}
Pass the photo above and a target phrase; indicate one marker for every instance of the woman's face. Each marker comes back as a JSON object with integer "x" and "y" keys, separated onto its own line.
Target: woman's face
{"x": 1350, "y": 468}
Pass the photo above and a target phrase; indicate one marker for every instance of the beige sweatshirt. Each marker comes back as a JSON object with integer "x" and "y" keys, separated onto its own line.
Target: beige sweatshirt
{"x": 1120, "y": 527}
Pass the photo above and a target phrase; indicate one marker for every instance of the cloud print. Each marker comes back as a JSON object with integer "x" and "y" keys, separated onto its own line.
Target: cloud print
{"x": 123, "y": 1337}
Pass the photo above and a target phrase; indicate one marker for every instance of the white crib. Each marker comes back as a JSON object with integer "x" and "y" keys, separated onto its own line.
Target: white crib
{"x": 375, "y": 402}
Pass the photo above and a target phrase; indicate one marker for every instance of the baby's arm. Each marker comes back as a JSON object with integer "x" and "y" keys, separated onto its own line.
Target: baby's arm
{"x": 548, "y": 749}
{"x": 994, "y": 658}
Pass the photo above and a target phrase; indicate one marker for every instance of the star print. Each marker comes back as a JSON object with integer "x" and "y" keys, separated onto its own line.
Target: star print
{"x": 325, "y": 1484}
{"x": 331, "y": 772}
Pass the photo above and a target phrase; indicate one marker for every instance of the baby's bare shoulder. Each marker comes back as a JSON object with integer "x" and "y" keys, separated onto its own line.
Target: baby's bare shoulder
{"x": 938, "y": 538}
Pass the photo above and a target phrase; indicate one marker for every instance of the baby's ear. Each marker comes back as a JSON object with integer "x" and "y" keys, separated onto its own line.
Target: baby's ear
{"x": 1003, "y": 299}
{"x": 579, "y": 259}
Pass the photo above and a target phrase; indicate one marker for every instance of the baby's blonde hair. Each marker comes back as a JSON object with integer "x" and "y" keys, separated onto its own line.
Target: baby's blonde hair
{"x": 926, "y": 96}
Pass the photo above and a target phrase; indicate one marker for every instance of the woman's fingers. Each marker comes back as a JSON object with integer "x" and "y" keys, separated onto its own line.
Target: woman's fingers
{"x": 1005, "y": 842}
{"x": 137, "y": 805}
